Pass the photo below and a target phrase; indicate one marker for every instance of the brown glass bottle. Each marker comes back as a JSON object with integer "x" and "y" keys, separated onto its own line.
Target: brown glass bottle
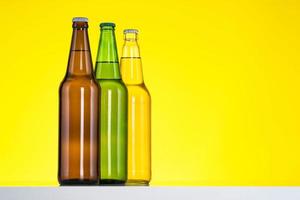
{"x": 78, "y": 114}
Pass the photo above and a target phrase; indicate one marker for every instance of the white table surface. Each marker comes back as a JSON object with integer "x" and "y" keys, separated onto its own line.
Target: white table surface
{"x": 149, "y": 193}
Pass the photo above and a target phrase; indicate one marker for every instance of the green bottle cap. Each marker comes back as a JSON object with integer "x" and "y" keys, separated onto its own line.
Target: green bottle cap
{"x": 107, "y": 24}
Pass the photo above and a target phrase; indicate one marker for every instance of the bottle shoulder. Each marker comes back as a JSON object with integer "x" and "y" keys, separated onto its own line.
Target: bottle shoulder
{"x": 138, "y": 90}
{"x": 112, "y": 84}
{"x": 73, "y": 82}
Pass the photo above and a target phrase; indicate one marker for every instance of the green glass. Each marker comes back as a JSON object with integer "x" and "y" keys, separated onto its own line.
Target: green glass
{"x": 113, "y": 110}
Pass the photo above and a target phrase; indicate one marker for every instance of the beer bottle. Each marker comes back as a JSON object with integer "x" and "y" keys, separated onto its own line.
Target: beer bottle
{"x": 113, "y": 106}
{"x": 78, "y": 114}
{"x": 139, "y": 112}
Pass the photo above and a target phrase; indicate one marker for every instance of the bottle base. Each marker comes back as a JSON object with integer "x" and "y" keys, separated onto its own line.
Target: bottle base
{"x": 137, "y": 183}
{"x": 77, "y": 182}
{"x": 111, "y": 182}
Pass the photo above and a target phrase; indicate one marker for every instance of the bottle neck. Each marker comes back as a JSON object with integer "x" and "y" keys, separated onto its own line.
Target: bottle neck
{"x": 131, "y": 64}
{"x": 80, "y": 61}
{"x": 107, "y": 63}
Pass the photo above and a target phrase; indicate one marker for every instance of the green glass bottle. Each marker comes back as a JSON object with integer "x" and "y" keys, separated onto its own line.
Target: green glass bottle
{"x": 113, "y": 110}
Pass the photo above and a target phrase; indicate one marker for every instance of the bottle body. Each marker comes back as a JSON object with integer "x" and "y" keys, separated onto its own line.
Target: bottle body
{"x": 78, "y": 163}
{"x": 79, "y": 114}
{"x": 113, "y": 132}
{"x": 139, "y": 113}
{"x": 113, "y": 106}
{"x": 139, "y": 131}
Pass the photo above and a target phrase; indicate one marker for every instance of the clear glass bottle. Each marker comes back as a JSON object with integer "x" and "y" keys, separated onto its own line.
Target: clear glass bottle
{"x": 139, "y": 112}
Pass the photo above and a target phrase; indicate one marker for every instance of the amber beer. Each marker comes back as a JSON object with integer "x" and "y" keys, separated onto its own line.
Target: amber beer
{"x": 78, "y": 114}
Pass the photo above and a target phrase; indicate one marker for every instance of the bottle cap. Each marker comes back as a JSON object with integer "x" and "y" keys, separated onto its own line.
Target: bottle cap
{"x": 131, "y": 31}
{"x": 107, "y": 24}
{"x": 80, "y": 19}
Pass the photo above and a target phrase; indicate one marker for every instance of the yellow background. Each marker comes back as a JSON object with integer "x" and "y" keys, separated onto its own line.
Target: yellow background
{"x": 224, "y": 78}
